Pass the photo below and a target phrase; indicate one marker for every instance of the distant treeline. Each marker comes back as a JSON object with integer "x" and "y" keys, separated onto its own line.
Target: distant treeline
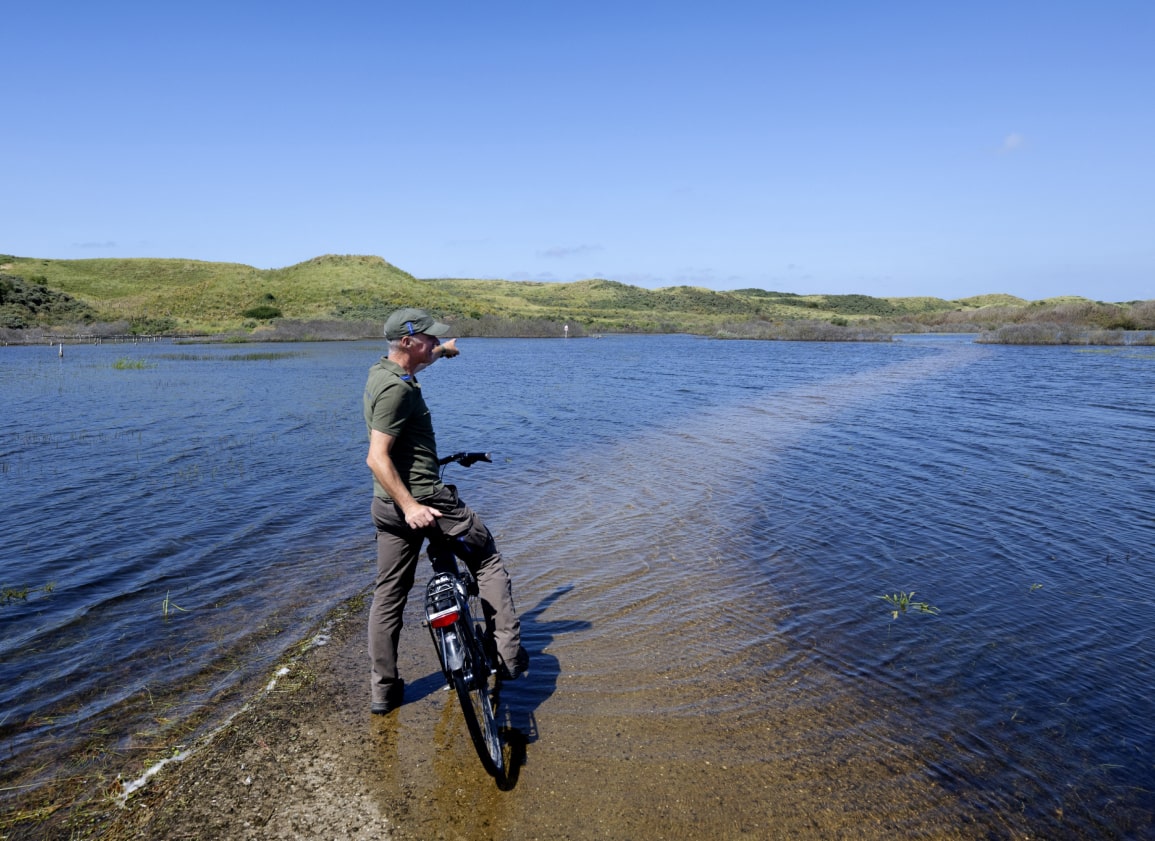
{"x": 1064, "y": 324}
{"x": 285, "y": 330}
{"x": 1076, "y": 314}
{"x": 1074, "y": 323}
{"x": 1050, "y": 333}
{"x": 291, "y": 330}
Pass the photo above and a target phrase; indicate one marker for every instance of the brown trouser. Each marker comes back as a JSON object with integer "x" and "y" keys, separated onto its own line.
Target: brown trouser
{"x": 398, "y": 549}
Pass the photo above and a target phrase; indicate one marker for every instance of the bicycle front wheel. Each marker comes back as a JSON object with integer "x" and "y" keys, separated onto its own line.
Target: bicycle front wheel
{"x": 477, "y": 707}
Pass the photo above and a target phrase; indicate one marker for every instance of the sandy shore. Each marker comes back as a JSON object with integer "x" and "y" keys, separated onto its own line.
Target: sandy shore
{"x": 297, "y": 762}
{"x": 307, "y": 760}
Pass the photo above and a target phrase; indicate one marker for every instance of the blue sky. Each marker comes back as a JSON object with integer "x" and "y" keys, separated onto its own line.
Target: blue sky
{"x": 884, "y": 148}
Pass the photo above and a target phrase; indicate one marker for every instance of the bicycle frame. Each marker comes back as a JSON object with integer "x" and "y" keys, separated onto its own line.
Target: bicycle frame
{"x": 447, "y": 597}
{"x": 460, "y": 642}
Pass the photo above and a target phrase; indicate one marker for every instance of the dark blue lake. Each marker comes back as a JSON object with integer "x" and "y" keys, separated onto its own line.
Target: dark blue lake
{"x": 733, "y": 520}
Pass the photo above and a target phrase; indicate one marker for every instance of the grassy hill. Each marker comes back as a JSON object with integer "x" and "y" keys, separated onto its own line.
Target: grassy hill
{"x": 199, "y": 296}
{"x": 192, "y": 296}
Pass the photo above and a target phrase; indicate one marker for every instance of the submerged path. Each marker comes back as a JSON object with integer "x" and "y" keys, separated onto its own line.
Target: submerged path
{"x": 308, "y": 760}
{"x": 662, "y": 702}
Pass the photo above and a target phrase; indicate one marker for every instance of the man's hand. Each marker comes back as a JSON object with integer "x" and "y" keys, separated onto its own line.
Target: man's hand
{"x": 448, "y": 349}
{"x": 420, "y": 516}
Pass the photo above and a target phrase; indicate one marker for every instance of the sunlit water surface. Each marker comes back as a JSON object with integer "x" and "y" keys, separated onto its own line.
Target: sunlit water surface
{"x": 691, "y": 518}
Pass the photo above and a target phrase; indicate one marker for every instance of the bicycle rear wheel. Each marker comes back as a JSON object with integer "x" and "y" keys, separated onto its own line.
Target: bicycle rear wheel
{"x": 477, "y": 707}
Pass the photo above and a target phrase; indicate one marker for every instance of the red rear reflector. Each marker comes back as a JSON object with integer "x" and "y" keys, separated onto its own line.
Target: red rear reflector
{"x": 444, "y": 620}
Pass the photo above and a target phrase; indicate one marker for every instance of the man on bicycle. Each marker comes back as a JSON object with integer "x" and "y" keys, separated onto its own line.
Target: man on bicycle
{"x": 410, "y": 503}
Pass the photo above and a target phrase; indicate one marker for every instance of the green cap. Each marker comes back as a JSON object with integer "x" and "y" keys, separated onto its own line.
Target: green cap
{"x": 409, "y": 321}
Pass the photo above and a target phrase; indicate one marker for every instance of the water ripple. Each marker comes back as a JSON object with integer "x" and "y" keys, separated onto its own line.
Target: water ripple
{"x": 693, "y": 527}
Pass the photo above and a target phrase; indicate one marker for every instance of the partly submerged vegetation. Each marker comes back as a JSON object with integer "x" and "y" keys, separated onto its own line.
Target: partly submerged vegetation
{"x": 898, "y": 603}
{"x": 343, "y": 297}
{"x": 126, "y": 364}
{"x": 21, "y": 594}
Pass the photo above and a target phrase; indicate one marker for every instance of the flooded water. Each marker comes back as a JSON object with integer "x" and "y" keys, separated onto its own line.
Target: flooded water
{"x": 706, "y": 538}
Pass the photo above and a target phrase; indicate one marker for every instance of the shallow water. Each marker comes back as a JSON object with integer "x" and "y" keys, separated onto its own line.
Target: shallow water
{"x": 693, "y": 527}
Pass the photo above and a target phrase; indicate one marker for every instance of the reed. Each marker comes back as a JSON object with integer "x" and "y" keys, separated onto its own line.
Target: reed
{"x": 168, "y": 606}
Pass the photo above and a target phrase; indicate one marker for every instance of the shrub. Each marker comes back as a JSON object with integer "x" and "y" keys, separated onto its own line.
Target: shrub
{"x": 856, "y": 305}
{"x": 12, "y": 317}
{"x": 1143, "y": 314}
{"x": 151, "y": 326}
{"x": 1035, "y": 333}
{"x": 262, "y": 312}
{"x": 27, "y": 302}
{"x": 1106, "y": 337}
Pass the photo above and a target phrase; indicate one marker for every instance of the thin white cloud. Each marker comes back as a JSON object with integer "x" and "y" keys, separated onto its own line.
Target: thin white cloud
{"x": 561, "y": 252}
{"x": 1013, "y": 142}
{"x": 537, "y": 277}
{"x": 108, "y": 244}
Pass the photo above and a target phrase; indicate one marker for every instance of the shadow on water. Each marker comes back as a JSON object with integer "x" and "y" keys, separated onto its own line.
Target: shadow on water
{"x": 444, "y": 792}
{"x": 517, "y": 703}
{"x": 521, "y": 699}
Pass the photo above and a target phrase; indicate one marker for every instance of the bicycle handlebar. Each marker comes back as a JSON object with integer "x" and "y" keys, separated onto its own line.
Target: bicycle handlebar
{"x": 465, "y": 459}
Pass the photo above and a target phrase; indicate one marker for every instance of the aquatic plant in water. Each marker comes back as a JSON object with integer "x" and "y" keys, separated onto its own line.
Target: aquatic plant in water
{"x": 902, "y": 602}
{"x": 20, "y": 594}
{"x": 169, "y": 606}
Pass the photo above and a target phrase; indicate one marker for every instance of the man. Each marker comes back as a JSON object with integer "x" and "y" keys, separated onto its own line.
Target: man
{"x": 410, "y": 503}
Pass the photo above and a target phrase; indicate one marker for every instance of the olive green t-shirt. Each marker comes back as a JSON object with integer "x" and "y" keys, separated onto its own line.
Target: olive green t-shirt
{"x": 393, "y": 405}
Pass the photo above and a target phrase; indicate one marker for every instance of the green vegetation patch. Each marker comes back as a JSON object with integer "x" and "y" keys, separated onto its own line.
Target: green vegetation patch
{"x": 24, "y": 303}
{"x": 859, "y": 305}
{"x": 993, "y": 300}
{"x": 21, "y": 594}
{"x": 262, "y": 312}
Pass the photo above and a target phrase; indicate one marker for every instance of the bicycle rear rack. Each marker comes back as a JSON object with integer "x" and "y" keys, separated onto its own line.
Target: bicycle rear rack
{"x": 442, "y": 604}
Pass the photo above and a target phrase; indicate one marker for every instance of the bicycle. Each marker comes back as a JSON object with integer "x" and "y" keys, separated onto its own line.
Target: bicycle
{"x": 463, "y": 647}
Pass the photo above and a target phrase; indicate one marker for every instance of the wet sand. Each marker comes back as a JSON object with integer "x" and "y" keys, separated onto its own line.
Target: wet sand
{"x": 307, "y": 760}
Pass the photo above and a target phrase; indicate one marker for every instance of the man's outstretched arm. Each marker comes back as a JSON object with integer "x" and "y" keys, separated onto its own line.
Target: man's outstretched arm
{"x": 446, "y": 350}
